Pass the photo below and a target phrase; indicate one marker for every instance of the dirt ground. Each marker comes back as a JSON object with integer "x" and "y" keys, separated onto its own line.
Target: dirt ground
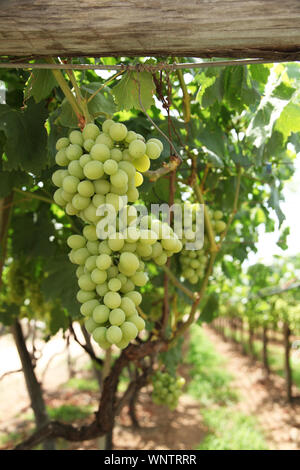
{"x": 160, "y": 429}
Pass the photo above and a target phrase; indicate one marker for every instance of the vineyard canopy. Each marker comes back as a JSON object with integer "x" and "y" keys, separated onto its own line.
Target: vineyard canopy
{"x": 197, "y": 28}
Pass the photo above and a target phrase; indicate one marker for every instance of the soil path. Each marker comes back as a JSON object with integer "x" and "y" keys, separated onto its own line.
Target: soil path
{"x": 261, "y": 397}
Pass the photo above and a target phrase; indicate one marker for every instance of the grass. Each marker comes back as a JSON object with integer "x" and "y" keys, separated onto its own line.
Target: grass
{"x": 82, "y": 385}
{"x": 211, "y": 384}
{"x": 69, "y": 413}
{"x": 275, "y": 355}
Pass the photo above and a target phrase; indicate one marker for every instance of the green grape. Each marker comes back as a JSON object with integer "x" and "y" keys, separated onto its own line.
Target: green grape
{"x": 75, "y": 169}
{"x": 79, "y": 270}
{"x": 142, "y": 164}
{"x": 220, "y": 226}
{"x": 93, "y": 247}
{"x": 114, "y": 334}
{"x": 144, "y": 250}
{"x": 138, "y": 179}
{"x": 128, "y": 306}
{"x": 88, "y": 144}
{"x": 84, "y": 159}
{"x": 100, "y": 152}
{"x": 122, "y": 278}
{"x": 91, "y": 131}
{"x": 90, "y": 263}
{"x": 131, "y": 135}
{"x": 132, "y": 195}
{"x": 122, "y": 344}
{"x": 129, "y": 168}
{"x": 148, "y": 237}
{"x": 135, "y": 296}
{"x": 85, "y": 188}
{"x": 116, "y": 243}
{"x": 80, "y": 203}
{"x": 117, "y": 317}
{"x": 129, "y": 330}
{"x": 98, "y": 200}
{"x": 80, "y": 255}
{"x": 58, "y": 177}
{"x": 75, "y": 137}
{"x": 76, "y": 241}
{"x": 116, "y": 154}
{"x": 112, "y": 300}
{"x": 139, "y": 279}
{"x": 103, "y": 261}
{"x": 99, "y": 335}
{"x": 61, "y": 158}
{"x": 120, "y": 190}
{"x": 114, "y": 284}
{"x": 157, "y": 142}
{"x": 67, "y": 196}
{"x": 62, "y": 143}
{"x": 104, "y": 248}
{"x": 90, "y": 213}
{"x": 130, "y": 247}
{"x": 119, "y": 179}
{"x": 90, "y": 325}
{"x": 98, "y": 276}
{"x": 101, "y": 314}
{"x": 89, "y": 232}
{"x": 137, "y": 321}
{"x": 101, "y": 186}
{"x": 161, "y": 259}
{"x": 70, "y": 209}
{"x": 112, "y": 272}
{"x": 105, "y": 139}
{"x": 93, "y": 170}
{"x": 74, "y": 152}
{"x": 70, "y": 184}
{"x": 137, "y": 148}
{"x": 218, "y": 215}
{"x": 117, "y": 131}
{"x": 102, "y": 289}
{"x": 83, "y": 296}
{"x": 85, "y": 282}
{"x": 129, "y": 262}
{"x": 153, "y": 150}
{"x": 114, "y": 200}
{"x": 87, "y": 307}
{"x": 106, "y": 125}
{"x": 110, "y": 167}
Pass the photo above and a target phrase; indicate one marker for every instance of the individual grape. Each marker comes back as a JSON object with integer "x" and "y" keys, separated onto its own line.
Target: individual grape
{"x": 79, "y": 270}
{"x": 120, "y": 190}
{"x": 90, "y": 325}
{"x": 101, "y": 186}
{"x": 127, "y": 287}
{"x": 67, "y": 196}
{"x": 116, "y": 243}
{"x": 132, "y": 195}
{"x": 75, "y": 169}
{"x": 75, "y": 137}
{"x": 128, "y": 306}
{"x": 104, "y": 248}
{"x": 91, "y": 131}
{"x": 84, "y": 296}
{"x": 129, "y": 262}
{"x": 117, "y": 131}
{"x": 102, "y": 289}
{"x": 58, "y": 177}
{"x": 122, "y": 344}
{"x": 114, "y": 284}
{"x": 137, "y": 321}
{"x": 80, "y": 203}
{"x": 93, "y": 170}
{"x": 100, "y": 152}
{"x": 135, "y": 296}
{"x": 129, "y": 330}
{"x": 70, "y": 184}
{"x": 220, "y": 226}
{"x": 115, "y": 201}
{"x": 128, "y": 167}
{"x": 139, "y": 279}
{"x": 74, "y": 152}
{"x": 61, "y": 158}
{"x": 119, "y": 179}
{"x": 93, "y": 247}
{"x": 87, "y": 307}
{"x": 99, "y": 335}
{"x": 138, "y": 179}
{"x": 90, "y": 213}
{"x": 103, "y": 261}
{"x": 85, "y": 188}
{"x": 157, "y": 142}
{"x": 100, "y": 313}
{"x": 131, "y": 135}
{"x": 70, "y": 209}
{"x": 110, "y": 167}
{"x": 153, "y": 150}
{"x": 98, "y": 276}
{"x": 144, "y": 250}
{"x": 85, "y": 282}
{"x": 142, "y": 164}
{"x": 112, "y": 300}
{"x": 114, "y": 334}
{"x": 106, "y": 140}
{"x": 80, "y": 255}
{"x": 117, "y": 317}
{"x": 116, "y": 154}
{"x": 84, "y": 159}
{"x": 148, "y": 237}
{"x": 76, "y": 241}
{"x": 90, "y": 263}
{"x": 137, "y": 148}
{"x": 89, "y": 232}
{"x": 88, "y": 144}
{"x": 218, "y": 215}
{"x": 112, "y": 272}
{"x": 62, "y": 143}
{"x": 106, "y": 125}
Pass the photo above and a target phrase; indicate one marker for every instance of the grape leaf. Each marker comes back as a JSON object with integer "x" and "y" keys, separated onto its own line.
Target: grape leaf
{"x": 40, "y": 85}
{"x": 11, "y": 179}
{"x": 26, "y": 137}
{"x": 210, "y": 309}
{"x": 289, "y": 120}
{"x": 8, "y": 313}
{"x": 126, "y": 92}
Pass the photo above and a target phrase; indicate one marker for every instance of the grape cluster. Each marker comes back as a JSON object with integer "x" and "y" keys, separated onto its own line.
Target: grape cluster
{"x": 166, "y": 389}
{"x": 193, "y": 262}
{"x": 111, "y": 267}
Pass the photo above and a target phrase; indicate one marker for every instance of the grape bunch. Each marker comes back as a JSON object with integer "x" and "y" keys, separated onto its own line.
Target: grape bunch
{"x": 110, "y": 267}
{"x": 193, "y": 262}
{"x": 166, "y": 389}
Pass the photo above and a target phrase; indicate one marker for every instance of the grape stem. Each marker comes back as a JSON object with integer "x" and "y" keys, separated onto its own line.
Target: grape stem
{"x": 188, "y": 292}
{"x": 104, "y": 85}
{"x": 235, "y": 203}
{"x": 164, "y": 170}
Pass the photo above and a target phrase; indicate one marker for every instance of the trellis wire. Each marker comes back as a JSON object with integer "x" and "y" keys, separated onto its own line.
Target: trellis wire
{"x": 138, "y": 67}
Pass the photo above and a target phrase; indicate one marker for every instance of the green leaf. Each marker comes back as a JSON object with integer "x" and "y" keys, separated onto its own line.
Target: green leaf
{"x": 260, "y": 72}
{"x": 9, "y": 313}
{"x": 40, "y": 85}
{"x": 214, "y": 159}
{"x": 26, "y": 137}
{"x": 283, "y": 91}
{"x": 126, "y": 92}
{"x": 11, "y": 179}
{"x": 289, "y": 120}
{"x": 58, "y": 319}
{"x": 210, "y": 309}
{"x": 274, "y": 202}
{"x": 282, "y": 241}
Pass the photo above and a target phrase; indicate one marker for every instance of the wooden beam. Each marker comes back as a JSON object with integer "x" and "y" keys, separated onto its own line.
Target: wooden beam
{"x": 193, "y": 28}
